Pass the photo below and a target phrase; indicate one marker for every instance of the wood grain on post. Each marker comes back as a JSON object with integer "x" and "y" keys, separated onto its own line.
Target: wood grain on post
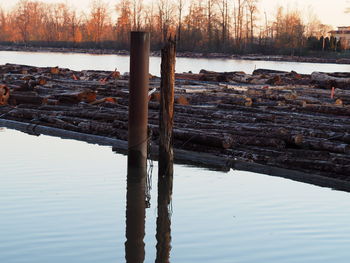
{"x": 166, "y": 155}
{"x": 166, "y": 115}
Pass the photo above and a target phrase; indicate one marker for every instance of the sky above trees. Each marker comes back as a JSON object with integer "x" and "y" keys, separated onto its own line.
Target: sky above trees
{"x": 201, "y": 25}
{"x": 329, "y": 12}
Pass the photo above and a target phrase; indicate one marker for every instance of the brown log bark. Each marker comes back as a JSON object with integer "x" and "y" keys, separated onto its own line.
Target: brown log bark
{"x": 76, "y": 97}
{"x": 285, "y": 124}
{"x": 23, "y": 98}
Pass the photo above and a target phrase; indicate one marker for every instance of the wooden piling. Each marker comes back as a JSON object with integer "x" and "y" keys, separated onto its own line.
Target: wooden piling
{"x": 166, "y": 115}
{"x": 137, "y": 147}
{"x": 138, "y": 99}
{"x": 166, "y": 155}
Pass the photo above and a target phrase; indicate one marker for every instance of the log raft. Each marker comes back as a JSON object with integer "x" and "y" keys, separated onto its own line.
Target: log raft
{"x": 280, "y": 119}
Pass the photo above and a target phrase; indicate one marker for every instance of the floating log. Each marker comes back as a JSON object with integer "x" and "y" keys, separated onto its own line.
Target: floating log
{"x": 324, "y": 77}
{"x": 108, "y": 100}
{"x": 76, "y": 97}
{"x": 26, "y": 98}
{"x": 264, "y": 124}
{"x": 223, "y": 141}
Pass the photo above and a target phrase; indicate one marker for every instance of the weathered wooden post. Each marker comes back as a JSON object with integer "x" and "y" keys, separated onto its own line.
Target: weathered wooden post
{"x": 166, "y": 115}
{"x": 166, "y": 156}
{"x": 138, "y": 99}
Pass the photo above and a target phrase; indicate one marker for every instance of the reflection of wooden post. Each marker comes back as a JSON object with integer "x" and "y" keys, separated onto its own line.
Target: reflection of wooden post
{"x": 138, "y": 99}
{"x": 165, "y": 188}
{"x": 137, "y": 147}
{"x": 135, "y": 215}
{"x": 166, "y": 115}
{"x": 166, "y": 157}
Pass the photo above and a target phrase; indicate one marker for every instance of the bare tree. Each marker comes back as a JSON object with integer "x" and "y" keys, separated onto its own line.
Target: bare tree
{"x": 22, "y": 16}
{"x": 180, "y": 7}
{"x": 210, "y": 7}
{"x": 290, "y": 30}
{"x": 137, "y": 8}
{"x": 74, "y": 23}
{"x": 223, "y": 7}
{"x": 3, "y": 25}
{"x": 124, "y": 23}
{"x": 201, "y": 25}
{"x": 99, "y": 18}
{"x": 238, "y": 16}
{"x": 252, "y": 9}
{"x": 165, "y": 17}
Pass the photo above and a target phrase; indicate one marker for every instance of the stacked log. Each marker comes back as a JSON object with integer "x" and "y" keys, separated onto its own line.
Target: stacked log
{"x": 299, "y": 127}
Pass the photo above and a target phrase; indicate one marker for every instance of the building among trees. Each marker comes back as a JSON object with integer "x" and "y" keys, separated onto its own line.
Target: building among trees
{"x": 343, "y": 35}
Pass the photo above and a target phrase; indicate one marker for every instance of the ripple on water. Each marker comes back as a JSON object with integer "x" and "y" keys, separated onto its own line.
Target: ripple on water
{"x": 64, "y": 201}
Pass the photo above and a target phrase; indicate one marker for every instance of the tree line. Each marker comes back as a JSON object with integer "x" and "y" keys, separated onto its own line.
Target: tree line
{"x": 235, "y": 26}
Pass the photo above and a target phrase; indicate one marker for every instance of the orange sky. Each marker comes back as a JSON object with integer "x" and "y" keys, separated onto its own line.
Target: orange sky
{"x": 327, "y": 11}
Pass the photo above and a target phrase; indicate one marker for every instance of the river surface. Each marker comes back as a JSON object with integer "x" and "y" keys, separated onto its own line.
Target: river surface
{"x": 65, "y": 201}
{"x": 111, "y": 62}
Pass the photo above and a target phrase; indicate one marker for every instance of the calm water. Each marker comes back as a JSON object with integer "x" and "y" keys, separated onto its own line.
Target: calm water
{"x": 110, "y": 62}
{"x": 64, "y": 201}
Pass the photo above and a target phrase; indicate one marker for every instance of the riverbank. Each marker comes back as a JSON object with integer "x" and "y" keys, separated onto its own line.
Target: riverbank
{"x": 252, "y": 57}
{"x": 278, "y": 119}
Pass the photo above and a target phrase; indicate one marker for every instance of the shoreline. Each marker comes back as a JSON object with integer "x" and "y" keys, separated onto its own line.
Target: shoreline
{"x": 253, "y": 57}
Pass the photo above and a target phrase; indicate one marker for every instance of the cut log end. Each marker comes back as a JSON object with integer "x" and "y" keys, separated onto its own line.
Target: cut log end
{"x": 338, "y": 102}
{"x": 4, "y": 94}
{"x": 249, "y": 102}
{"x": 298, "y": 139}
{"x": 182, "y": 100}
{"x": 55, "y": 70}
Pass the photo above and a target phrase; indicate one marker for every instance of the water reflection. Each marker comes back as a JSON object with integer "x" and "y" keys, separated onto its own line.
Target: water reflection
{"x": 163, "y": 235}
{"x": 57, "y": 206}
{"x": 136, "y": 204}
{"x": 135, "y": 215}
